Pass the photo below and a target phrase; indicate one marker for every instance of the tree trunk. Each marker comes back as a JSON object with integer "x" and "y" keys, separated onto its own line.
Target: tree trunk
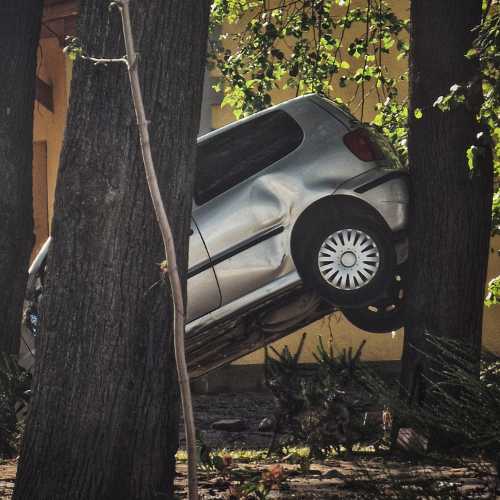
{"x": 104, "y": 419}
{"x": 19, "y": 34}
{"x": 451, "y": 205}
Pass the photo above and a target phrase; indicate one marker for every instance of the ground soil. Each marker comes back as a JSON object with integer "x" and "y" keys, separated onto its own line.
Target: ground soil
{"x": 357, "y": 476}
{"x": 251, "y": 407}
{"x": 366, "y": 478}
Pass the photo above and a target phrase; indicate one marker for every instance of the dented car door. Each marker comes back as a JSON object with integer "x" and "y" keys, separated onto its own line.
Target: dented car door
{"x": 240, "y": 203}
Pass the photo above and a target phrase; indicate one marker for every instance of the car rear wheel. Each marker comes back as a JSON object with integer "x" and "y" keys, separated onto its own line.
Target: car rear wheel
{"x": 350, "y": 261}
{"x": 385, "y": 315}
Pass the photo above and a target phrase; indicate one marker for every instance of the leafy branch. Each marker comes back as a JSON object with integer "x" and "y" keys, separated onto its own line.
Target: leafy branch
{"x": 300, "y": 45}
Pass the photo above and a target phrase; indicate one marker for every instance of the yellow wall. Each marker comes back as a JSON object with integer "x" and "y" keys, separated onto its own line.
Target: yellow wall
{"x": 49, "y": 126}
{"x": 491, "y": 322}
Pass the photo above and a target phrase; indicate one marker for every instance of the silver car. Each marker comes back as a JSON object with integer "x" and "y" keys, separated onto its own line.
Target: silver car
{"x": 300, "y": 194}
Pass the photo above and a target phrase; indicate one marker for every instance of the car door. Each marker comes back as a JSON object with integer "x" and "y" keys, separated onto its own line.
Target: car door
{"x": 203, "y": 294}
{"x": 238, "y": 201}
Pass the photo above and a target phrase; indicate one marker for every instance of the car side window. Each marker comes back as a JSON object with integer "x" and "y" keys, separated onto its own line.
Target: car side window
{"x": 233, "y": 156}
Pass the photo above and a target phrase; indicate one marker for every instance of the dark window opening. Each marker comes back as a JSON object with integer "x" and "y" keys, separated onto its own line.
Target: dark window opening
{"x": 233, "y": 156}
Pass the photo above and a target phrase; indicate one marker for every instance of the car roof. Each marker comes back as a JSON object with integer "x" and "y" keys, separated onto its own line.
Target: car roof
{"x": 335, "y": 109}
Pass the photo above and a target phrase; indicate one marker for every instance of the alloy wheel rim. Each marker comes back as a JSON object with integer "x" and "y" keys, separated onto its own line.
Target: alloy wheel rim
{"x": 348, "y": 259}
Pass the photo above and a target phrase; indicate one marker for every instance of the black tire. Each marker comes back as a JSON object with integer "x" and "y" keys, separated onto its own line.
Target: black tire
{"x": 359, "y": 295}
{"x": 387, "y": 314}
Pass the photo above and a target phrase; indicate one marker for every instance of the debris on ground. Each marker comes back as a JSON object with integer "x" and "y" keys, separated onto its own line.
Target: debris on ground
{"x": 230, "y": 425}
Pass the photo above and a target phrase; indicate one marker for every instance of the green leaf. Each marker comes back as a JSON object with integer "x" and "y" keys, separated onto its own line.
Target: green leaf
{"x": 471, "y": 53}
{"x": 378, "y": 120}
{"x": 471, "y": 157}
{"x": 493, "y": 295}
{"x": 418, "y": 113}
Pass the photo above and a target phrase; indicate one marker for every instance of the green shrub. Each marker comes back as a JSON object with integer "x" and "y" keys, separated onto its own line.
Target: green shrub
{"x": 327, "y": 406}
{"x": 14, "y": 394}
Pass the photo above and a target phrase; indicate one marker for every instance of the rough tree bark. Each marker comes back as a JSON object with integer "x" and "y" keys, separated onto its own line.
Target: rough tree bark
{"x": 451, "y": 205}
{"x": 19, "y": 34}
{"x": 170, "y": 265}
{"x": 104, "y": 418}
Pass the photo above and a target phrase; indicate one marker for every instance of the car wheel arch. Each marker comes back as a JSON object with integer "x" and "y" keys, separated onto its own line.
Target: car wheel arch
{"x": 317, "y": 209}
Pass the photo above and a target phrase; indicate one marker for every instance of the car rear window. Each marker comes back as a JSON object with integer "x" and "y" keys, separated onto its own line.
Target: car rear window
{"x": 242, "y": 151}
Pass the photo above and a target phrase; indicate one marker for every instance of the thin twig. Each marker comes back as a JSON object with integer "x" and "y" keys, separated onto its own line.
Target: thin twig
{"x": 98, "y": 61}
{"x": 380, "y": 52}
{"x": 487, "y": 10}
{"x": 368, "y": 12}
{"x": 337, "y": 50}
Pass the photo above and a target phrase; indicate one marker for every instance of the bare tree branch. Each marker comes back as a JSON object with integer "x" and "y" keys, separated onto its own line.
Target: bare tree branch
{"x": 97, "y": 61}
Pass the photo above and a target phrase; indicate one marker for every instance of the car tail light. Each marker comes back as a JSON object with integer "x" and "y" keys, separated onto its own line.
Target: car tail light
{"x": 362, "y": 145}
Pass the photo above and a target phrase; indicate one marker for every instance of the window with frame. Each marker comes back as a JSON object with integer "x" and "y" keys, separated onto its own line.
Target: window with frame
{"x": 229, "y": 158}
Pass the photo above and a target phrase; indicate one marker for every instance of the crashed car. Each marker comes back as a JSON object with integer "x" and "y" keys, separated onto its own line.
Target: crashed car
{"x": 300, "y": 194}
